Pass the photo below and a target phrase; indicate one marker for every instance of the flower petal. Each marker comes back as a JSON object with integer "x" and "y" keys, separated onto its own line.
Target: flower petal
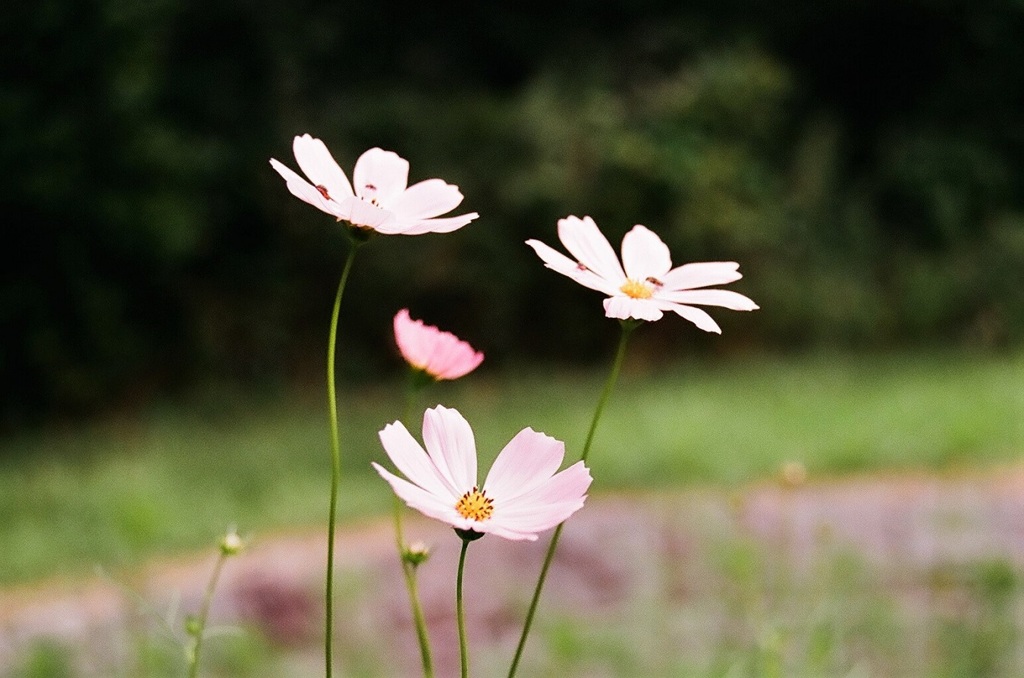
{"x": 380, "y": 175}
{"x": 362, "y": 213}
{"x": 547, "y": 504}
{"x": 724, "y": 298}
{"x": 440, "y": 354}
{"x": 703, "y": 274}
{"x": 560, "y": 263}
{"x": 425, "y": 200}
{"x": 697, "y": 316}
{"x": 319, "y": 165}
{"x": 585, "y": 241}
{"x": 624, "y": 308}
{"x": 419, "y": 499}
{"x": 644, "y": 254}
{"x": 305, "y": 191}
{"x": 419, "y": 227}
{"x": 409, "y": 458}
{"x": 527, "y": 461}
{"x": 450, "y": 444}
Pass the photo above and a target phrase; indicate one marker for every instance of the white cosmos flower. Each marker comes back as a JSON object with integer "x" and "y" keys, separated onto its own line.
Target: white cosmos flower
{"x": 379, "y": 197}
{"x": 644, "y": 285}
{"x": 521, "y": 496}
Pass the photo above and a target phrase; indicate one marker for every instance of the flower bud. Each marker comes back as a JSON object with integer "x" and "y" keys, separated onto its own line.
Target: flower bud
{"x": 416, "y": 553}
{"x": 231, "y": 543}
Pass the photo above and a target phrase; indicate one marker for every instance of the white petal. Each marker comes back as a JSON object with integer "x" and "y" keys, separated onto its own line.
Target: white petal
{"x": 644, "y": 254}
{"x": 585, "y": 241}
{"x": 419, "y": 499}
{"x": 703, "y": 274}
{"x": 695, "y": 315}
{"x": 319, "y": 165}
{"x": 527, "y": 461}
{"x": 380, "y": 175}
{"x": 724, "y": 298}
{"x": 409, "y": 458}
{"x": 624, "y": 308}
{"x": 450, "y": 444}
{"x": 419, "y": 227}
{"x": 557, "y": 261}
{"x": 361, "y": 213}
{"x": 425, "y": 200}
{"x": 305, "y": 191}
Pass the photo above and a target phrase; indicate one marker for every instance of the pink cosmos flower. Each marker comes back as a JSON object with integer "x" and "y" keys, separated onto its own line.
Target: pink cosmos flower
{"x": 381, "y": 200}
{"x": 645, "y": 284}
{"x": 442, "y": 355}
{"x": 521, "y": 496}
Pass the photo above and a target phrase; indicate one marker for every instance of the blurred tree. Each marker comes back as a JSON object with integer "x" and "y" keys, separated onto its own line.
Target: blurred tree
{"x": 862, "y": 160}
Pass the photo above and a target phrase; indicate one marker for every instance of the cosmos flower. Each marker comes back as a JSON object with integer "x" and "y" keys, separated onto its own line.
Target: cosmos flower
{"x": 442, "y": 355}
{"x": 381, "y": 200}
{"x": 522, "y": 495}
{"x": 645, "y": 284}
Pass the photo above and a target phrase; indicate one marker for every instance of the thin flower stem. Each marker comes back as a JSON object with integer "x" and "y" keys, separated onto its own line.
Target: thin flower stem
{"x": 332, "y": 406}
{"x": 627, "y": 329}
{"x": 408, "y": 568}
{"x": 198, "y": 631}
{"x": 463, "y": 652}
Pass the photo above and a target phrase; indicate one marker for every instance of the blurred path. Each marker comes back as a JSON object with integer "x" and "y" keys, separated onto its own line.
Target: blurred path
{"x": 674, "y": 550}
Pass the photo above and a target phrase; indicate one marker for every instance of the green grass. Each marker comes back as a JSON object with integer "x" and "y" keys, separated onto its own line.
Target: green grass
{"x": 120, "y": 491}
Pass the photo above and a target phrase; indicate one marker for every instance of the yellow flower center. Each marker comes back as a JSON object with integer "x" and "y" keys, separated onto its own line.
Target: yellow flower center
{"x": 637, "y": 289}
{"x": 475, "y": 505}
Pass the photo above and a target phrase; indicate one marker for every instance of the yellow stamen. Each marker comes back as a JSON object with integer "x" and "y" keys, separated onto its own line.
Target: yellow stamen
{"x": 637, "y": 290}
{"x": 475, "y": 505}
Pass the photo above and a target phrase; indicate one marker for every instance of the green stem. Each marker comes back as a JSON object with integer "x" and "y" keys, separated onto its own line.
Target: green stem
{"x": 408, "y": 568}
{"x": 409, "y": 571}
{"x": 199, "y": 629}
{"x": 332, "y": 406}
{"x": 463, "y": 653}
{"x": 627, "y": 329}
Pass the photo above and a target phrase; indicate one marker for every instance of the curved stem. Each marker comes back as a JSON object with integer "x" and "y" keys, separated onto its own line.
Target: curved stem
{"x": 463, "y": 652}
{"x": 199, "y": 629}
{"x": 627, "y": 328}
{"x": 332, "y": 406}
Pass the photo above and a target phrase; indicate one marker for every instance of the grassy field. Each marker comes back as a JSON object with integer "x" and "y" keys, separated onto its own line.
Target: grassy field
{"x": 118, "y": 492}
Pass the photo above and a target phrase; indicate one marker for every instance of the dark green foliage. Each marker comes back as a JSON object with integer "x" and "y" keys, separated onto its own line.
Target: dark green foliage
{"x": 862, "y": 161}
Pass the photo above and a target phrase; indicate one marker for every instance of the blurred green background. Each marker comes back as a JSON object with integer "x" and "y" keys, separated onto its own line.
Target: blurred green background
{"x": 164, "y": 299}
{"x": 862, "y": 160}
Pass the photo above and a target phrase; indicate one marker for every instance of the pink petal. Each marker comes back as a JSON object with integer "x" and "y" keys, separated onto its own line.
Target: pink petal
{"x": 644, "y": 254}
{"x": 624, "y": 308}
{"x": 440, "y": 354}
{"x": 724, "y": 298}
{"x": 409, "y": 458}
{"x": 586, "y": 242}
{"x": 450, "y": 444}
{"x": 380, "y": 175}
{"x": 419, "y": 499}
{"x": 548, "y": 503}
{"x": 425, "y": 200}
{"x": 704, "y": 274}
{"x": 527, "y": 461}
{"x": 560, "y": 263}
{"x": 319, "y": 165}
{"x": 305, "y": 191}
{"x": 498, "y": 530}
